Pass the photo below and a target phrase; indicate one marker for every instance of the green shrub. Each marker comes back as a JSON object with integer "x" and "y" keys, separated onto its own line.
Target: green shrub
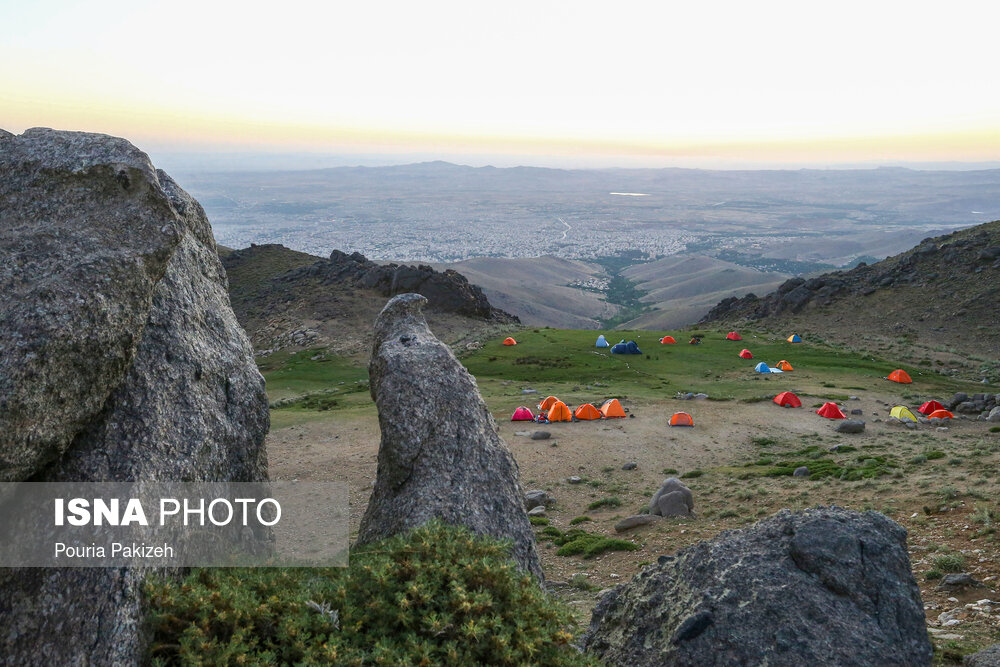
{"x": 934, "y": 574}
{"x": 949, "y": 563}
{"x": 538, "y": 520}
{"x": 669, "y": 471}
{"x": 439, "y": 595}
{"x": 692, "y": 474}
{"x": 578, "y": 542}
{"x": 611, "y": 501}
{"x": 579, "y": 519}
{"x": 994, "y": 429}
{"x": 931, "y": 455}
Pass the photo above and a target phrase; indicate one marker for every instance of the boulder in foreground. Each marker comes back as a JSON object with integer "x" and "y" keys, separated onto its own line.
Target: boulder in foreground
{"x": 825, "y": 586}
{"x": 440, "y": 455}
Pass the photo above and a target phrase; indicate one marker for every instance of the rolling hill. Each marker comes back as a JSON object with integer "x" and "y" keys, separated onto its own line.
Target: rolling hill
{"x": 936, "y": 302}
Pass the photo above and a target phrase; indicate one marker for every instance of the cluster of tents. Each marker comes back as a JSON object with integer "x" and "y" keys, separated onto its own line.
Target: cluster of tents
{"x": 930, "y": 409}
{"x": 554, "y": 410}
{"x": 620, "y": 347}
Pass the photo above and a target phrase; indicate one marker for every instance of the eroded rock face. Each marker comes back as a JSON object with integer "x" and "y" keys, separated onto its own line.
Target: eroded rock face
{"x": 121, "y": 361}
{"x": 440, "y": 455}
{"x": 825, "y": 586}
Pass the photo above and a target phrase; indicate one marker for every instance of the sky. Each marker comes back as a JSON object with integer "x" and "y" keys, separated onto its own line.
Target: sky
{"x": 539, "y": 82}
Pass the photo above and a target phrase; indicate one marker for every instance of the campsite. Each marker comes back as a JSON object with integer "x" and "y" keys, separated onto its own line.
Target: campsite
{"x": 738, "y": 458}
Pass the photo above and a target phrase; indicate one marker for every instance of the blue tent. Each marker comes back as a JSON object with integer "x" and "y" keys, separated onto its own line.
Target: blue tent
{"x": 762, "y": 367}
{"x": 601, "y": 341}
{"x": 794, "y": 338}
{"x": 626, "y": 348}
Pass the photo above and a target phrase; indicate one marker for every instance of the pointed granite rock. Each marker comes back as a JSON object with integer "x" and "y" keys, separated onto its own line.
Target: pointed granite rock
{"x": 440, "y": 455}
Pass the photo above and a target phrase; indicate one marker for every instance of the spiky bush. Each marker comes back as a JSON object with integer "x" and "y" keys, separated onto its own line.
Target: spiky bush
{"x": 439, "y": 595}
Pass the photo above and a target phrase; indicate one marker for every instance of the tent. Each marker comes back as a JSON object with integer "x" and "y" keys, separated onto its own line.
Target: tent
{"x": 941, "y": 414}
{"x": 522, "y": 414}
{"x": 547, "y": 403}
{"x": 626, "y": 348}
{"x": 732, "y": 335}
{"x": 559, "y": 412}
{"x": 929, "y": 407}
{"x": 762, "y": 367}
{"x": 794, "y": 338}
{"x": 667, "y": 340}
{"x": 902, "y": 412}
{"x": 601, "y": 341}
{"x": 612, "y": 408}
{"x": 831, "y": 411}
{"x": 745, "y": 354}
{"x": 681, "y": 419}
{"x": 509, "y": 341}
{"x": 787, "y": 399}
{"x": 775, "y": 370}
{"x": 784, "y": 366}
{"x": 694, "y": 341}
{"x": 587, "y": 411}
{"x": 901, "y": 376}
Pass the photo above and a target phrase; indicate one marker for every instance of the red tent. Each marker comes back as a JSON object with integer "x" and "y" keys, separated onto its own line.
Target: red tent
{"x": 941, "y": 414}
{"x": 831, "y": 411}
{"x": 787, "y": 399}
{"x": 732, "y": 335}
{"x": 929, "y": 407}
{"x": 745, "y": 354}
{"x": 522, "y": 414}
{"x": 666, "y": 340}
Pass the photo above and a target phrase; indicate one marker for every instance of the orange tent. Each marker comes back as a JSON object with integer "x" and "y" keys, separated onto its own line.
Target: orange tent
{"x": 941, "y": 414}
{"x": 732, "y": 335}
{"x": 667, "y": 339}
{"x": 587, "y": 412}
{"x": 901, "y": 376}
{"x": 559, "y": 412}
{"x": 787, "y": 399}
{"x": 509, "y": 341}
{"x": 547, "y": 403}
{"x": 831, "y": 411}
{"x": 784, "y": 366}
{"x": 745, "y": 354}
{"x": 612, "y": 408}
{"x": 681, "y": 419}
{"x": 929, "y": 407}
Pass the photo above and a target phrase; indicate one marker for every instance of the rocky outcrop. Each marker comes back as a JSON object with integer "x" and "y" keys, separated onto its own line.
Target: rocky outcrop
{"x": 825, "y": 586}
{"x": 988, "y": 657}
{"x": 120, "y": 360}
{"x": 440, "y": 455}
{"x": 447, "y": 291}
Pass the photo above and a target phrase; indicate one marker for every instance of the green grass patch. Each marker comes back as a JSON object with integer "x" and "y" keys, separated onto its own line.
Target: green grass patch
{"x": 579, "y": 519}
{"x": 610, "y": 502}
{"x": 538, "y": 520}
{"x": 578, "y": 542}
{"x": 865, "y": 467}
{"x": 692, "y": 474}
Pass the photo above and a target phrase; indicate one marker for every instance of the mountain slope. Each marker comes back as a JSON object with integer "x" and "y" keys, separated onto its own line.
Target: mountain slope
{"x": 938, "y": 299}
{"x": 287, "y": 298}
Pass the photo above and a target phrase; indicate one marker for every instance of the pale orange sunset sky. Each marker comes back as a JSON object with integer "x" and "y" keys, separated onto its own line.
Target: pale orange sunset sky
{"x": 657, "y": 83}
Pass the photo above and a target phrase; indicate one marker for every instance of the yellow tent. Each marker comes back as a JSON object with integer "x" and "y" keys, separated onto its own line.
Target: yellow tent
{"x": 903, "y": 413}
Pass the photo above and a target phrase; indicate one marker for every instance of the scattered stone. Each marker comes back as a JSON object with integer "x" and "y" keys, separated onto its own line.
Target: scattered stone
{"x": 440, "y": 454}
{"x": 960, "y": 580}
{"x": 801, "y": 471}
{"x": 574, "y": 479}
{"x": 672, "y": 499}
{"x": 636, "y": 520}
{"x": 857, "y": 411}
{"x": 631, "y": 465}
{"x": 828, "y": 587}
{"x": 994, "y": 415}
{"x": 851, "y": 426}
{"x": 537, "y": 511}
{"x": 540, "y": 435}
{"x": 529, "y": 391}
{"x": 537, "y": 497}
{"x": 910, "y": 425}
{"x": 988, "y": 657}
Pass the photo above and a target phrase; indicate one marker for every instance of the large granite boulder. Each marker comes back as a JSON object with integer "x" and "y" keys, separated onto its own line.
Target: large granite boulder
{"x": 672, "y": 499}
{"x": 120, "y": 360}
{"x": 988, "y": 657}
{"x": 825, "y": 586}
{"x": 440, "y": 455}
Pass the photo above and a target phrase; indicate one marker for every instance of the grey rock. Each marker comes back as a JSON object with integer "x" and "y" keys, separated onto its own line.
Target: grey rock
{"x": 857, "y": 411}
{"x": 825, "y": 586}
{"x": 540, "y": 435}
{"x": 537, "y": 497}
{"x": 631, "y": 465}
{"x": 440, "y": 454}
{"x": 672, "y": 499}
{"x": 574, "y": 479}
{"x": 851, "y": 426}
{"x": 636, "y": 520}
{"x": 801, "y": 471}
{"x": 988, "y": 657}
{"x": 994, "y": 415}
{"x": 122, "y": 361}
{"x": 700, "y": 396}
{"x": 537, "y": 511}
{"x": 910, "y": 425}
{"x": 529, "y": 391}
{"x": 960, "y": 580}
